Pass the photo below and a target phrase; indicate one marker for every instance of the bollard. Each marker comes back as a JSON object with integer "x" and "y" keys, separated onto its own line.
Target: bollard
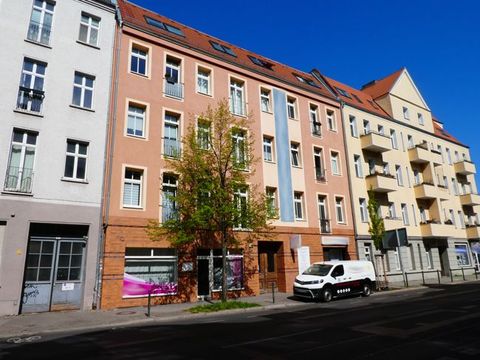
{"x": 149, "y": 303}
{"x": 451, "y": 275}
{"x": 423, "y": 277}
{"x": 438, "y": 276}
{"x": 463, "y": 274}
{"x": 273, "y": 292}
{"x": 476, "y": 274}
{"x": 406, "y": 279}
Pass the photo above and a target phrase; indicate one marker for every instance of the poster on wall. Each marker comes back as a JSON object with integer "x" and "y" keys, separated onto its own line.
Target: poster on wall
{"x": 135, "y": 286}
{"x": 303, "y": 258}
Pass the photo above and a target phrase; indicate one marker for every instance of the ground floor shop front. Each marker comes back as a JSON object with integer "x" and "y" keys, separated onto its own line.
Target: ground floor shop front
{"x": 135, "y": 267}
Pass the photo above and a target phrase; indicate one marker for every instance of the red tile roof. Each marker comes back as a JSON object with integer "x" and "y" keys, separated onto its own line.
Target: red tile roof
{"x": 134, "y": 15}
{"x": 441, "y": 133}
{"x": 378, "y": 88}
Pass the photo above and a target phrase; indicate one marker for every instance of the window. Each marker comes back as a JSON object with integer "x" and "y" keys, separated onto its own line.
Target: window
{"x": 150, "y": 271}
{"x": 461, "y": 219}
{"x": 164, "y": 26}
{"x": 412, "y": 258}
{"x": 132, "y": 188}
{"x": 83, "y": 90}
{"x": 429, "y": 254}
{"x": 449, "y": 156}
{"x": 410, "y": 142}
{"x": 315, "y": 122}
{"x": 260, "y": 62}
{"x": 392, "y": 212}
{"x": 204, "y": 81}
{"x": 237, "y": 97}
{"x": 393, "y": 138}
{"x": 398, "y": 173}
{"x": 265, "y": 100}
{"x": 421, "y": 120}
{"x": 439, "y": 149}
{"x": 423, "y": 214}
{"x": 234, "y": 270}
{"x": 342, "y": 92}
{"x": 30, "y": 94}
{"x": 366, "y": 127}
{"x": 445, "y": 182}
{"x": 169, "y": 191}
{"x": 291, "y": 107}
{"x": 414, "y": 215}
{"x": 381, "y": 130}
{"x": 331, "y": 123}
{"x": 222, "y": 48}
{"x": 367, "y": 251}
{"x": 335, "y": 163}
{"x": 173, "y": 78}
{"x": 305, "y": 80}
{"x": 239, "y": 148}
{"x": 40, "y": 26}
{"x": 405, "y": 214}
{"x": 363, "y": 210}
{"x": 19, "y": 177}
{"x": 406, "y": 114}
{"x": 454, "y": 186}
{"x": 397, "y": 259}
{"x": 323, "y": 213}
{"x": 171, "y": 136}
{"x": 357, "y": 163}
{"x": 76, "y": 160}
{"x": 461, "y": 252}
{"x": 452, "y": 217}
{"x": 371, "y": 167}
{"x": 457, "y": 156}
{"x": 139, "y": 60}
{"x": 272, "y": 207}
{"x": 241, "y": 201}
{"x": 267, "y": 148}
{"x": 318, "y": 162}
{"x": 136, "y": 120}
{"x": 89, "y": 26}
{"x": 339, "y": 210}
{"x": 204, "y": 134}
{"x": 416, "y": 177}
{"x": 298, "y": 202}
{"x": 353, "y": 126}
{"x": 295, "y": 151}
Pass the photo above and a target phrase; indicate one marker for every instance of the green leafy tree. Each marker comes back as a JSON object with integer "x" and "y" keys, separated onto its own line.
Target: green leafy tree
{"x": 216, "y": 197}
{"x": 376, "y": 226}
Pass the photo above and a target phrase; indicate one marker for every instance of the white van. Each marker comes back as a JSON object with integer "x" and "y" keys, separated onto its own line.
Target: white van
{"x": 325, "y": 280}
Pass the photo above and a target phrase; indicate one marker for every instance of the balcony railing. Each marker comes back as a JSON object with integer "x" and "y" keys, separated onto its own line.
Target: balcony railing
{"x": 30, "y": 99}
{"x": 39, "y": 32}
{"x": 316, "y": 128}
{"x": 171, "y": 147}
{"x": 320, "y": 174}
{"x": 174, "y": 89}
{"x": 19, "y": 180}
{"x": 325, "y": 226}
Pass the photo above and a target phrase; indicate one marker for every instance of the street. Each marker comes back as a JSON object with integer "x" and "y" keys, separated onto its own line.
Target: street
{"x": 440, "y": 322}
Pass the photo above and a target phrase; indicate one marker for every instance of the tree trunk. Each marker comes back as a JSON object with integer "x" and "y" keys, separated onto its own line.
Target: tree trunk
{"x": 224, "y": 266}
{"x": 384, "y": 272}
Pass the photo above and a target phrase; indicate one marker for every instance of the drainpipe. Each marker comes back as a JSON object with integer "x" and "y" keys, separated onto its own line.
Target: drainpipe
{"x": 108, "y": 157}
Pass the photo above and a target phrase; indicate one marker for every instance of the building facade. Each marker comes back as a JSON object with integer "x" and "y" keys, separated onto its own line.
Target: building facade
{"x": 167, "y": 75}
{"x": 55, "y": 85}
{"x": 422, "y": 177}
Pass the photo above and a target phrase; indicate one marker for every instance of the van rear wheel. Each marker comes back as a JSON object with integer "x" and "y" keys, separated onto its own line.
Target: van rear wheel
{"x": 327, "y": 294}
{"x": 366, "y": 289}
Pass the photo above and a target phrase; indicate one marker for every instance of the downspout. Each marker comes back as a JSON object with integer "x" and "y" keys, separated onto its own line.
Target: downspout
{"x": 108, "y": 157}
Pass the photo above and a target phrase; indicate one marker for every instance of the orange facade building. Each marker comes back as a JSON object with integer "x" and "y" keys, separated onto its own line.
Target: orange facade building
{"x": 166, "y": 74}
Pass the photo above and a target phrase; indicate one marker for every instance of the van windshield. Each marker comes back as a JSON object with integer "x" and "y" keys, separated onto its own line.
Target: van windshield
{"x": 318, "y": 269}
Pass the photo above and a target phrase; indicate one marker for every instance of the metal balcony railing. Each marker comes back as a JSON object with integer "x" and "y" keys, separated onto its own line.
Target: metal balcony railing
{"x": 19, "y": 180}
{"x": 39, "y": 32}
{"x": 171, "y": 147}
{"x": 30, "y": 99}
{"x": 174, "y": 89}
{"x": 325, "y": 226}
{"x": 316, "y": 128}
{"x": 320, "y": 174}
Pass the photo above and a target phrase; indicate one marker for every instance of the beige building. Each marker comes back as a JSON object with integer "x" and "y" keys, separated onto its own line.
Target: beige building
{"x": 423, "y": 178}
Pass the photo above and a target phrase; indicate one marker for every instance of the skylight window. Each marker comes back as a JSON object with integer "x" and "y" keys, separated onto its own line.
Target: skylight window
{"x": 305, "y": 80}
{"x": 357, "y": 98}
{"x": 260, "y": 62}
{"x": 222, "y": 48}
{"x": 164, "y": 26}
{"x": 343, "y": 92}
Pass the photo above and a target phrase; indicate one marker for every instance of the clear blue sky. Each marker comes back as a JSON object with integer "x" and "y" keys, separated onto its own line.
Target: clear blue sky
{"x": 358, "y": 41}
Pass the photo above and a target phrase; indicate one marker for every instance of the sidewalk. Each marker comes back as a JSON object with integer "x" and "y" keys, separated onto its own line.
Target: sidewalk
{"x": 52, "y": 322}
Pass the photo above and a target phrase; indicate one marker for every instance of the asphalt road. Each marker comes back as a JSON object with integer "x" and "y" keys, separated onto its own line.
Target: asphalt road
{"x": 436, "y": 323}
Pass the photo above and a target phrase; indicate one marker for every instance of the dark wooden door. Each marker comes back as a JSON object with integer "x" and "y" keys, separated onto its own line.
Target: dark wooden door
{"x": 267, "y": 264}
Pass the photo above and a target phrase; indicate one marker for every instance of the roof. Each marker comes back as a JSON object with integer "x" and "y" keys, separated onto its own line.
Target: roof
{"x": 441, "y": 133}
{"x": 135, "y": 16}
{"x": 356, "y": 98}
{"x": 378, "y": 88}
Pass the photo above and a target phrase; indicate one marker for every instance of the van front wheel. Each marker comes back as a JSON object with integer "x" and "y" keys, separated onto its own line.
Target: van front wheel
{"x": 327, "y": 294}
{"x": 366, "y": 289}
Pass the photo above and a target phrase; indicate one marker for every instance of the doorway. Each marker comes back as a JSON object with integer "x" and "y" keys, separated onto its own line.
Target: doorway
{"x": 333, "y": 253}
{"x": 268, "y": 265}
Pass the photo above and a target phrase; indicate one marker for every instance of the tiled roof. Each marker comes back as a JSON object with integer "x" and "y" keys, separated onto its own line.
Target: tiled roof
{"x": 377, "y": 88}
{"x": 134, "y": 15}
{"x": 441, "y": 133}
{"x": 356, "y": 98}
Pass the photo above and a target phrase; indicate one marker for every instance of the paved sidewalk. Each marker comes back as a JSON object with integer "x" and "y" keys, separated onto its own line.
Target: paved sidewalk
{"x": 52, "y": 322}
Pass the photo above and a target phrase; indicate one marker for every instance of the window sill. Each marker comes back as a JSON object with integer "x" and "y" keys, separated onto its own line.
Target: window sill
{"x": 71, "y": 180}
{"x": 38, "y": 43}
{"x": 294, "y": 119}
{"x": 89, "y": 45}
{"x": 173, "y": 97}
{"x": 136, "y": 137}
{"x": 26, "y": 112}
{"x": 127, "y": 207}
{"x": 81, "y": 108}
{"x": 6, "y": 192}
{"x": 297, "y": 166}
{"x": 267, "y": 112}
{"x": 239, "y": 115}
{"x": 317, "y": 135}
{"x": 300, "y": 220}
{"x": 269, "y": 161}
{"x": 144, "y": 76}
{"x": 204, "y": 94}
{"x": 339, "y": 175}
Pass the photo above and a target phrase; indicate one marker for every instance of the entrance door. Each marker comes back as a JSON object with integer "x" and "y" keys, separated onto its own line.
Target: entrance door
{"x": 53, "y": 274}
{"x": 267, "y": 265}
{"x": 203, "y": 277}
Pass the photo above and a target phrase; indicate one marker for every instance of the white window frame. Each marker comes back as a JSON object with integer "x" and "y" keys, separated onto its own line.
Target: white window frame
{"x": 298, "y": 205}
{"x": 295, "y": 154}
{"x": 291, "y": 107}
{"x": 201, "y": 71}
{"x": 90, "y": 25}
{"x": 406, "y": 220}
{"x": 363, "y": 210}
{"x": 136, "y": 117}
{"x": 331, "y": 120}
{"x": 406, "y": 113}
{"x": 272, "y": 203}
{"x": 133, "y": 181}
{"x": 357, "y": 161}
{"x": 392, "y": 211}
{"x": 140, "y": 56}
{"x": 24, "y": 145}
{"x": 393, "y": 138}
{"x": 239, "y": 194}
{"x": 239, "y": 137}
{"x": 421, "y": 120}
{"x": 316, "y": 125}
{"x": 43, "y": 11}
{"x": 76, "y": 156}
{"x": 237, "y": 97}
{"x": 335, "y": 162}
{"x": 268, "y": 149}
{"x": 398, "y": 174}
{"x": 84, "y": 88}
{"x": 204, "y": 133}
{"x": 353, "y": 126}
{"x": 265, "y": 100}
{"x": 340, "y": 210}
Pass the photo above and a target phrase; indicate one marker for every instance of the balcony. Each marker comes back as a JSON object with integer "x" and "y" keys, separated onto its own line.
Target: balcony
{"x": 470, "y": 199}
{"x": 320, "y": 174}
{"x": 392, "y": 223}
{"x": 171, "y": 148}
{"x": 30, "y": 100}
{"x": 473, "y": 231}
{"x": 325, "y": 226}
{"x": 382, "y": 183}
{"x": 434, "y": 228}
{"x": 375, "y": 142}
{"x": 436, "y": 157}
{"x": 19, "y": 180}
{"x": 173, "y": 89}
{"x": 39, "y": 32}
{"x": 465, "y": 167}
{"x": 419, "y": 154}
{"x": 425, "y": 190}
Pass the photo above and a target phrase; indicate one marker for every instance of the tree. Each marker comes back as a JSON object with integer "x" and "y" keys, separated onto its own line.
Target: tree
{"x": 376, "y": 226}
{"x": 216, "y": 198}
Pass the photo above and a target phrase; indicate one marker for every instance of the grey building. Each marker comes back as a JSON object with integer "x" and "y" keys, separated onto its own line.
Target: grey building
{"x": 55, "y": 66}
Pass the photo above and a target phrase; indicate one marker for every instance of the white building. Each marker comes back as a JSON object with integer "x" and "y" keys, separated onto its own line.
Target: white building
{"x": 55, "y": 67}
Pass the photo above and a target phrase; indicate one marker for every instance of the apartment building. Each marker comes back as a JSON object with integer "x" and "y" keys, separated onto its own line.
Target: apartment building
{"x": 56, "y": 73}
{"x": 422, "y": 177}
{"x": 167, "y": 75}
